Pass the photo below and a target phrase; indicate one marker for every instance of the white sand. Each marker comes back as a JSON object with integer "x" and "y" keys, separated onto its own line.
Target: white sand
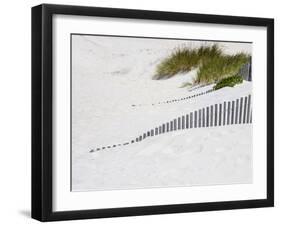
{"x": 210, "y": 156}
{"x": 111, "y": 74}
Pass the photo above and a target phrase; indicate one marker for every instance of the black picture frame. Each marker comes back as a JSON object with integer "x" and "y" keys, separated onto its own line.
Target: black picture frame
{"x": 42, "y": 106}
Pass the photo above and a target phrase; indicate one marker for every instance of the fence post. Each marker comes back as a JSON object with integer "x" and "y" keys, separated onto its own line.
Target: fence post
{"x": 175, "y": 124}
{"x": 228, "y": 112}
{"x": 220, "y": 114}
{"x": 167, "y": 125}
{"x": 232, "y": 112}
{"x": 144, "y": 136}
{"x": 240, "y": 110}
{"x": 191, "y": 120}
{"x": 207, "y": 117}
{"x": 251, "y": 116}
{"x": 183, "y": 122}
{"x": 195, "y": 119}
{"x": 236, "y": 111}
{"x": 249, "y": 106}
{"x": 203, "y": 117}
{"x": 179, "y": 123}
{"x": 216, "y": 114}
{"x": 245, "y": 110}
{"x": 200, "y": 111}
{"x": 212, "y": 115}
{"x": 224, "y": 112}
{"x": 187, "y": 121}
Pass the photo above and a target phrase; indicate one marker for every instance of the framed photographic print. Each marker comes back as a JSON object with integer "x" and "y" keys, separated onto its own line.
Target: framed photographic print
{"x": 145, "y": 112}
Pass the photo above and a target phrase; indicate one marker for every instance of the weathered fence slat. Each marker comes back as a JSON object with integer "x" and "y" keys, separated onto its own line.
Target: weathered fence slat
{"x": 207, "y": 117}
{"x": 248, "y": 110}
{"x": 179, "y": 123}
{"x": 224, "y": 112}
{"x": 203, "y": 117}
{"x": 228, "y": 112}
{"x": 167, "y": 127}
{"x": 191, "y": 120}
{"x": 187, "y": 122}
{"x": 211, "y": 121}
{"x": 251, "y": 116}
{"x": 220, "y": 114}
{"x": 199, "y": 123}
{"x": 195, "y": 119}
{"x": 236, "y": 111}
{"x": 216, "y": 114}
{"x": 240, "y": 110}
{"x": 232, "y": 112}
{"x": 245, "y": 109}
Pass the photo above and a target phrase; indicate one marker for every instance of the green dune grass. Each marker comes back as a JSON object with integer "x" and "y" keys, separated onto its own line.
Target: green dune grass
{"x": 228, "y": 82}
{"x": 211, "y": 62}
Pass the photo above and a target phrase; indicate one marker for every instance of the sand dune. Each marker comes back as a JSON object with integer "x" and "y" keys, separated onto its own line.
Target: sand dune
{"x": 109, "y": 75}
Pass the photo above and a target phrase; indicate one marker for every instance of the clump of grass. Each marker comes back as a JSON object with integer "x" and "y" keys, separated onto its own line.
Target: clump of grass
{"x": 212, "y": 63}
{"x": 218, "y": 67}
{"x": 230, "y": 82}
{"x": 180, "y": 60}
{"x": 184, "y": 60}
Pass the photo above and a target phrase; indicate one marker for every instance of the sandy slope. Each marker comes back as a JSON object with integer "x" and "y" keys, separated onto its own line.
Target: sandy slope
{"x": 109, "y": 76}
{"x": 211, "y": 156}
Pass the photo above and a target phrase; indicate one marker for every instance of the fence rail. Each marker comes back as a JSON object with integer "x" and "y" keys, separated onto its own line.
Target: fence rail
{"x": 238, "y": 111}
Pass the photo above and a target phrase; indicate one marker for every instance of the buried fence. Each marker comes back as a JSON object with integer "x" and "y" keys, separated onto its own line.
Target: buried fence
{"x": 238, "y": 111}
{"x": 176, "y": 100}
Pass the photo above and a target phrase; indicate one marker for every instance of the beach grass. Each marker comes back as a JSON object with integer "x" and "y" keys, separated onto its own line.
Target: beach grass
{"x": 211, "y": 62}
{"x": 228, "y": 82}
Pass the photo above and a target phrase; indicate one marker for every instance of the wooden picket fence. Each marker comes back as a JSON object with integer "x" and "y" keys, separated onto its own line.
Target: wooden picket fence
{"x": 238, "y": 111}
